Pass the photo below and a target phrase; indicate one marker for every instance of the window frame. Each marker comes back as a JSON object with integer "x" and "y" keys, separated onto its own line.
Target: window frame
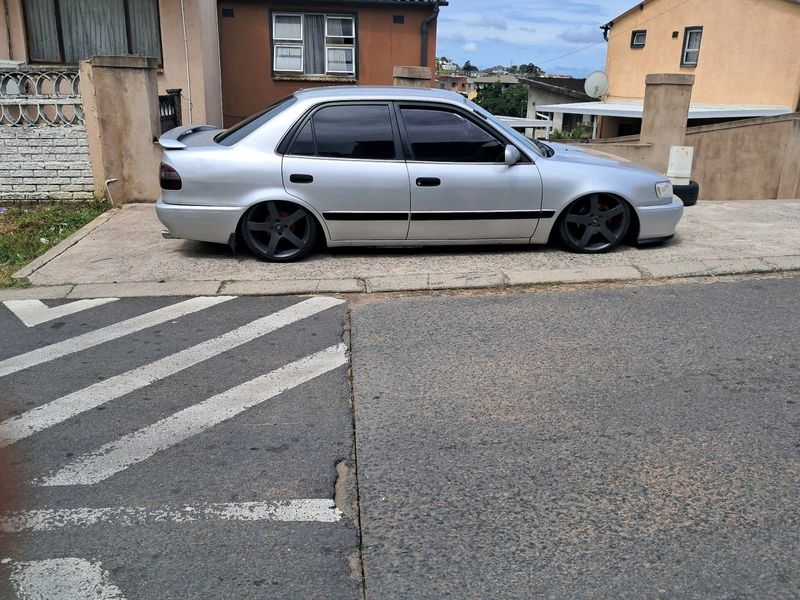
{"x": 685, "y": 46}
{"x": 633, "y": 38}
{"x": 284, "y": 147}
{"x": 301, "y": 75}
{"x": 60, "y": 35}
{"x": 466, "y": 114}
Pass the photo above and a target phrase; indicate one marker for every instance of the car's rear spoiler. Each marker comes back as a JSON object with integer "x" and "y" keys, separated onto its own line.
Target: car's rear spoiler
{"x": 171, "y": 140}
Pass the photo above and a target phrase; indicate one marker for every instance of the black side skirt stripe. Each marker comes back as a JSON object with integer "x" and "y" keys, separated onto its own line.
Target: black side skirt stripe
{"x": 439, "y": 216}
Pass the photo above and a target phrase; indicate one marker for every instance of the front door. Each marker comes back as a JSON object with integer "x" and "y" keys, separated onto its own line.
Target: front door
{"x": 461, "y": 188}
{"x": 346, "y": 162}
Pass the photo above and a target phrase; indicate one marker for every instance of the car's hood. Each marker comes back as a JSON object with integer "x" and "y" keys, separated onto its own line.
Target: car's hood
{"x": 589, "y": 155}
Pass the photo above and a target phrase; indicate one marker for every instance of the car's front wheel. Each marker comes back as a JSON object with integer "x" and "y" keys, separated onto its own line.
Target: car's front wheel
{"x": 596, "y": 223}
{"x": 279, "y": 231}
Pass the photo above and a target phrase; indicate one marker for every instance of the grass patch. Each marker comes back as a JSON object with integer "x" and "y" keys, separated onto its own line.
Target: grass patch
{"x": 29, "y": 230}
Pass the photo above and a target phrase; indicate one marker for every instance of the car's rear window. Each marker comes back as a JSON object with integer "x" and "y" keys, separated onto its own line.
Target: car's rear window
{"x": 244, "y": 128}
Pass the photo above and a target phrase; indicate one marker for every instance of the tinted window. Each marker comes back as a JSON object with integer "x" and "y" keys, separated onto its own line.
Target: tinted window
{"x": 444, "y": 136}
{"x": 363, "y": 132}
{"x": 304, "y": 142}
{"x": 244, "y": 128}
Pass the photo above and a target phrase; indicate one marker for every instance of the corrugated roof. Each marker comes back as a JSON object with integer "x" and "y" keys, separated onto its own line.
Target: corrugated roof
{"x": 561, "y": 85}
{"x": 634, "y": 109}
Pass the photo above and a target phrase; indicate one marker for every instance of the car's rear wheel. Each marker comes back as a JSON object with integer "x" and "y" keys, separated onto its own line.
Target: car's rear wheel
{"x": 279, "y": 231}
{"x": 596, "y": 223}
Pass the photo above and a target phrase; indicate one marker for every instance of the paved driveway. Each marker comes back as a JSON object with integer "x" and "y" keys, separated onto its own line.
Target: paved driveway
{"x": 713, "y": 238}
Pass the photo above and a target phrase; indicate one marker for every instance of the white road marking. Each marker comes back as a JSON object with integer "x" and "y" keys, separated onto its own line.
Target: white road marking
{"x": 59, "y": 410}
{"x": 105, "y": 334}
{"x": 318, "y": 510}
{"x": 140, "y": 445}
{"x": 36, "y": 312}
{"x": 63, "y": 579}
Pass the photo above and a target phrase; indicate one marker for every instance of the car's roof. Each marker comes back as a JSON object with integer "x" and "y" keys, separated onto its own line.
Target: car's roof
{"x": 373, "y": 92}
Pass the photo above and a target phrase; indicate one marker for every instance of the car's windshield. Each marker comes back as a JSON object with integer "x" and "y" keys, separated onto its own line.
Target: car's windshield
{"x": 536, "y": 146}
{"x": 244, "y": 128}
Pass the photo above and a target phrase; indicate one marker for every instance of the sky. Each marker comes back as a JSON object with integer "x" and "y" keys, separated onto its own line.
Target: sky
{"x": 505, "y": 32}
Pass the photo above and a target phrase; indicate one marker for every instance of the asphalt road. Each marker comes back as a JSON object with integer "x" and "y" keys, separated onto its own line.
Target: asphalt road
{"x": 154, "y": 485}
{"x": 634, "y": 442}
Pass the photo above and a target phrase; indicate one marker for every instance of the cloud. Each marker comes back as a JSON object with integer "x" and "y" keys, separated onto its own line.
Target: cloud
{"x": 494, "y": 22}
{"x": 470, "y": 47}
{"x": 582, "y": 35}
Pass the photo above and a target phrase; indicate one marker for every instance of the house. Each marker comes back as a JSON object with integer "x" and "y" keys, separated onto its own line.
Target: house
{"x": 271, "y": 48}
{"x": 547, "y": 91}
{"x": 742, "y": 53}
{"x": 452, "y": 83}
{"x": 476, "y": 84}
{"x": 228, "y": 58}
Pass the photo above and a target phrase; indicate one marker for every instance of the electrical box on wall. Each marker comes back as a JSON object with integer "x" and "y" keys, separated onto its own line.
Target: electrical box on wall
{"x": 679, "y": 169}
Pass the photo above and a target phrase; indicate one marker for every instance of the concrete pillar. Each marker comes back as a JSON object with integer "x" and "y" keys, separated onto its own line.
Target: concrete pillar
{"x": 120, "y": 105}
{"x": 789, "y": 187}
{"x": 666, "y": 112}
{"x": 416, "y": 77}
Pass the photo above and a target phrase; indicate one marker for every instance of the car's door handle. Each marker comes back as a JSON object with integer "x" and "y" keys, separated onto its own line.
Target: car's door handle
{"x": 299, "y": 178}
{"x": 428, "y": 182}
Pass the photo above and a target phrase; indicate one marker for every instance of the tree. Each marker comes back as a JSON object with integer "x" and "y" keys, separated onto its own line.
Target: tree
{"x": 508, "y": 102}
{"x": 469, "y": 68}
{"x": 530, "y": 69}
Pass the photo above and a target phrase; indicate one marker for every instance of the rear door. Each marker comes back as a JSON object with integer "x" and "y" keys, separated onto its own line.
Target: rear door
{"x": 461, "y": 188}
{"x": 346, "y": 161}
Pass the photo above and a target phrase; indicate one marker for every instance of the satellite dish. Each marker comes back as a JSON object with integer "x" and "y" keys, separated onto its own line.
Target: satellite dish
{"x": 596, "y": 84}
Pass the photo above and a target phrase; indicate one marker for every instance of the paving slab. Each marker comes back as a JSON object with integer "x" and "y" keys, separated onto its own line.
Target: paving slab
{"x": 713, "y": 238}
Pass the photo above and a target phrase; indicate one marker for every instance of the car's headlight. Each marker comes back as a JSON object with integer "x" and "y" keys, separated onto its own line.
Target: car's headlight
{"x": 664, "y": 189}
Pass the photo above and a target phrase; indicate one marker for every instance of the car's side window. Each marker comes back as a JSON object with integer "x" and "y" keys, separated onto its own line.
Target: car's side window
{"x": 304, "y": 142}
{"x": 356, "y": 131}
{"x": 440, "y": 135}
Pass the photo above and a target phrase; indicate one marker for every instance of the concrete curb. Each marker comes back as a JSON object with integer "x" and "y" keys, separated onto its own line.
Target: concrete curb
{"x": 63, "y": 245}
{"x": 417, "y": 282}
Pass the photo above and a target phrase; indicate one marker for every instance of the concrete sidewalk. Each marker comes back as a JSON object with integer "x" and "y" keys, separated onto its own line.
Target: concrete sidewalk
{"x": 122, "y": 254}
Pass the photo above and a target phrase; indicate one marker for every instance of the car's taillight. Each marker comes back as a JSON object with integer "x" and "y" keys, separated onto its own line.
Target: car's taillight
{"x": 170, "y": 180}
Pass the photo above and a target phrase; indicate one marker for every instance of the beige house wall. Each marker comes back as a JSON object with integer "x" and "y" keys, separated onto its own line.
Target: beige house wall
{"x": 748, "y": 55}
{"x": 200, "y": 83}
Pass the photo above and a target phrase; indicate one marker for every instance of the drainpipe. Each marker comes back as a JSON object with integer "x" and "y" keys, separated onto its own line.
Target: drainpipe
{"x": 423, "y": 60}
{"x": 8, "y": 30}
{"x": 188, "y": 72}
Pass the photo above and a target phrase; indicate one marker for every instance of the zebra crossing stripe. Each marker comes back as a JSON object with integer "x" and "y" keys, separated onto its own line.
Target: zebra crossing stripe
{"x": 36, "y": 312}
{"x": 59, "y": 410}
{"x": 106, "y": 334}
{"x": 319, "y": 510}
{"x": 63, "y": 579}
{"x": 140, "y": 445}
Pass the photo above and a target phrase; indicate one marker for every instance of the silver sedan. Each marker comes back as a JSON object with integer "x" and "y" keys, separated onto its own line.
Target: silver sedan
{"x": 369, "y": 166}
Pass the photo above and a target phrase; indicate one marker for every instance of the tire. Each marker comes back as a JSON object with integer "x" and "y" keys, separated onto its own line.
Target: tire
{"x": 277, "y": 231}
{"x": 687, "y": 193}
{"x": 594, "y": 224}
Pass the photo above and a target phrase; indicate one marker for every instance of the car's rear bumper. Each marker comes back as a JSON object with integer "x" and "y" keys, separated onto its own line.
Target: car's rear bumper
{"x": 659, "y": 222}
{"x": 200, "y": 223}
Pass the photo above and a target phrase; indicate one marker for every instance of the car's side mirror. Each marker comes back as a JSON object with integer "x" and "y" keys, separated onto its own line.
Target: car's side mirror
{"x": 513, "y": 155}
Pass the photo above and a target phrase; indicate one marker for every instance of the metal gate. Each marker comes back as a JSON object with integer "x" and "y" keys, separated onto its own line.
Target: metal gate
{"x": 169, "y": 107}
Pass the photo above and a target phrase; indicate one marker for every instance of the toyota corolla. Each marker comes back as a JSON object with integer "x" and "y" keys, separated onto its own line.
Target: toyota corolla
{"x": 361, "y": 166}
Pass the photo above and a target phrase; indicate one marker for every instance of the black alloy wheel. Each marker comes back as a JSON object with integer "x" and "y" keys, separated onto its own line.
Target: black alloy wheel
{"x": 594, "y": 224}
{"x": 279, "y": 231}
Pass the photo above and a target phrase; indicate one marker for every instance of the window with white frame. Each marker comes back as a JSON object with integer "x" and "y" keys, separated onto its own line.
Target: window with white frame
{"x": 314, "y": 44}
{"x": 691, "y": 46}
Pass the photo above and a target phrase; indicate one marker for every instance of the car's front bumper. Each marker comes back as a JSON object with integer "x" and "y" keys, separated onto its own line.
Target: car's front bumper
{"x": 659, "y": 222}
{"x": 200, "y": 223}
